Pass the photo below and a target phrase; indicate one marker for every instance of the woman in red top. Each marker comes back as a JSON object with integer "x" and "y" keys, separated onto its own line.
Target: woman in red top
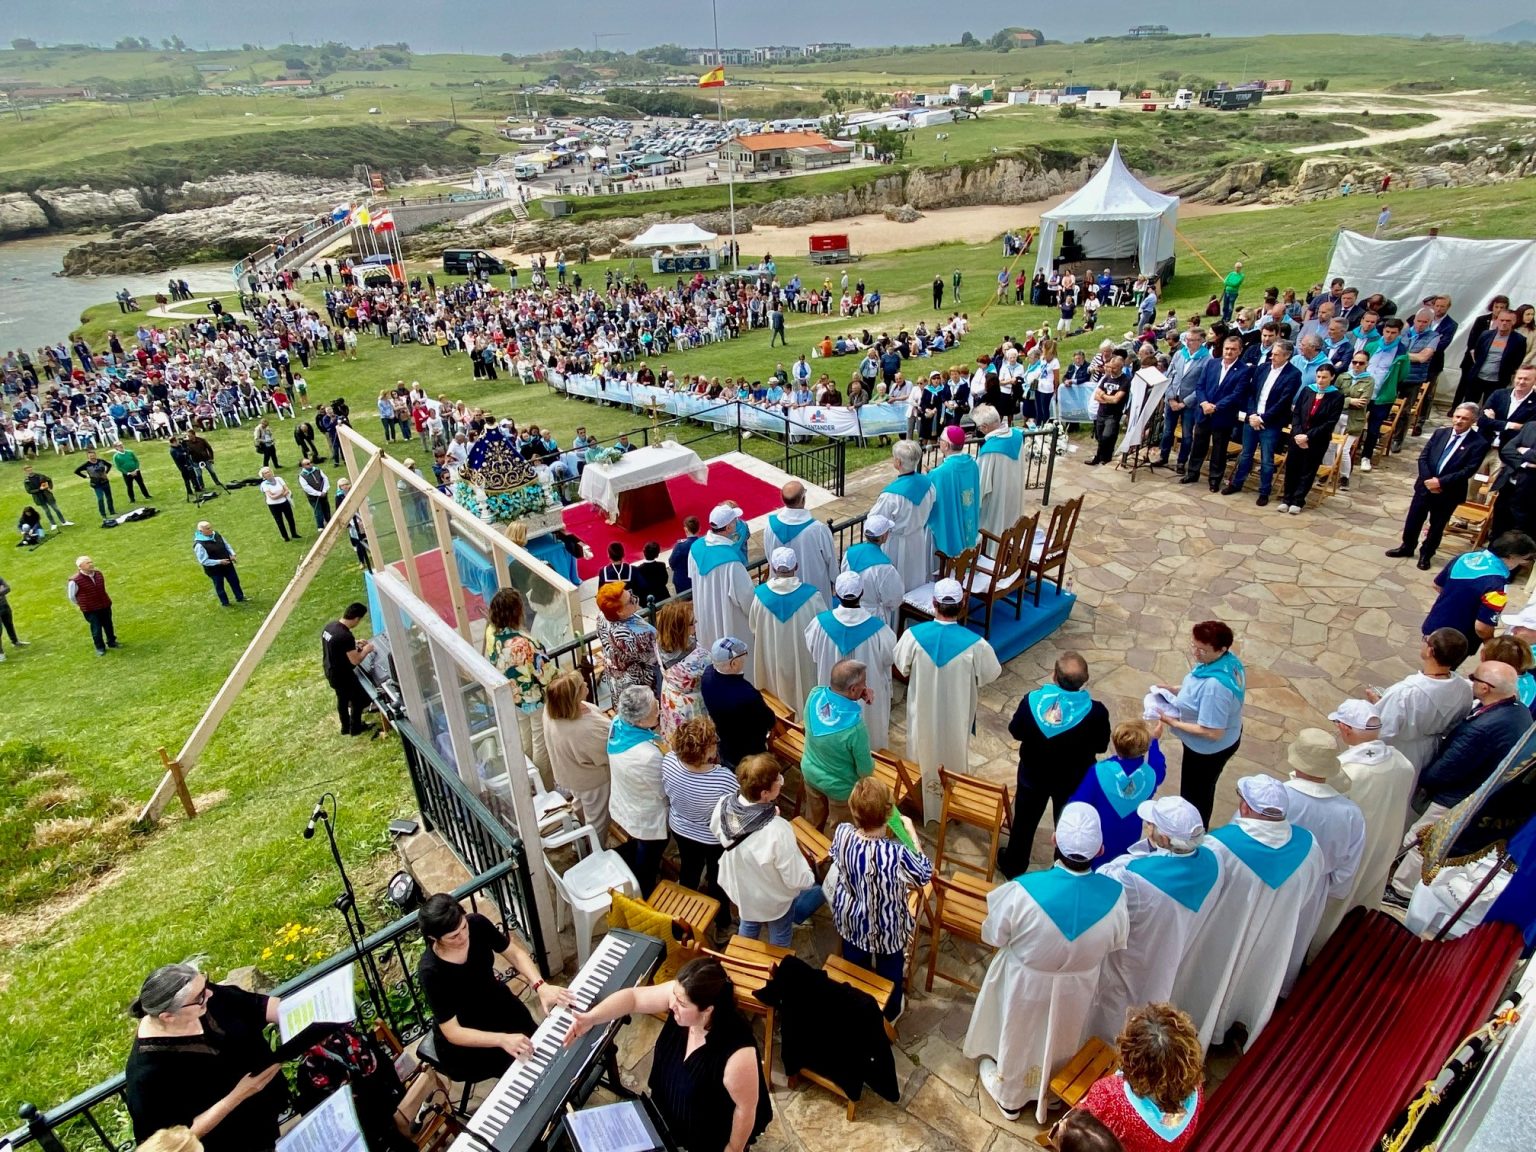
{"x": 1152, "y": 1103}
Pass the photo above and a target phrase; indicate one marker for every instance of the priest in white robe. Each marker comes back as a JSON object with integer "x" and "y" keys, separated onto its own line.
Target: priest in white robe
{"x": 1003, "y": 464}
{"x": 883, "y": 588}
{"x": 794, "y": 527}
{"x": 1052, "y": 930}
{"x": 781, "y": 611}
{"x": 1318, "y": 803}
{"x": 907, "y": 502}
{"x": 1250, "y": 949}
{"x": 722, "y": 590}
{"x": 849, "y": 631}
{"x": 1171, "y": 882}
{"x": 956, "y": 496}
{"x": 1381, "y": 783}
{"x": 947, "y": 665}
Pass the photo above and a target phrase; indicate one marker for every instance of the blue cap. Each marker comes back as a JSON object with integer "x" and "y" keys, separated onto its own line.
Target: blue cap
{"x": 726, "y": 649}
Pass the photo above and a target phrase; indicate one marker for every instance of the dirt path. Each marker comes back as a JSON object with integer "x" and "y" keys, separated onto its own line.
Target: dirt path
{"x": 1453, "y": 112}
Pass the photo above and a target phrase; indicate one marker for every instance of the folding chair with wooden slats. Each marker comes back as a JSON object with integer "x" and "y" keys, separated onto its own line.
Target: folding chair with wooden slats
{"x": 779, "y": 708}
{"x": 979, "y": 803}
{"x": 1053, "y": 550}
{"x": 686, "y": 906}
{"x": 814, "y": 844}
{"x": 959, "y": 910}
{"x": 872, "y": 984}
{"x": 750, "y": 965}
{"x": 1093, "y": 1062}
{"x": 1474, "y": 517}
{"x": 903, "y": 778}
{"x": 1388, "y": 430}
{"x": 1329, "y": 473}
{"x": 787, "y": 742}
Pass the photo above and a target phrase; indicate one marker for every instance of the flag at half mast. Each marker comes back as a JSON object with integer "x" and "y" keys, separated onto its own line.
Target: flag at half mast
{"x": 714, "y": 78}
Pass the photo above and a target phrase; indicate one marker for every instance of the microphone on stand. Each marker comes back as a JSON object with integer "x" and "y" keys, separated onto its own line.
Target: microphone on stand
{"x": 316, "y": 815}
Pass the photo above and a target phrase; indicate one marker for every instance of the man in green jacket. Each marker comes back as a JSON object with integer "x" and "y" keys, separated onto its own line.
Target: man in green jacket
{"x": 1388, "y": 365}
{"x": 836, "y": 742}
{"x": 1230, "y": 287}
{"x": 126, "y": 461}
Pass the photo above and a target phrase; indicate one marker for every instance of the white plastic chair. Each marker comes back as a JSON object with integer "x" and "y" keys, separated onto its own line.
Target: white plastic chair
{"x": 586, "y": 884}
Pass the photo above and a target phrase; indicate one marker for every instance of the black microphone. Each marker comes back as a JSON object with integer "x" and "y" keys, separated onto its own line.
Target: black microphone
{"x": 317, "y": 814}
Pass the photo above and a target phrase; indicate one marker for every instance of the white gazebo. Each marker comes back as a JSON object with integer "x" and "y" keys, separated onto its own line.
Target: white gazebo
{"x": 679, "y": 248}
{"x": 1113, "y": 217}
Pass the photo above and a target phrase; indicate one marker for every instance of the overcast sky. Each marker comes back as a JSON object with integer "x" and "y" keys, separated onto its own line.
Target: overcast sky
{"x": 496, "y": 26}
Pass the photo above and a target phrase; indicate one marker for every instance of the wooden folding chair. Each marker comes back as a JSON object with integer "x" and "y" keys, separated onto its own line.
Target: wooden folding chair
{"x": 1474, "y": 517}
{"x": 750, "y": 965}
{"x": 870, "y": 983}
{"x": 1093, "y": 1061}
{"x": 779, "y": 708}
{"x": 979, "y": 803}
{"x": 1328, "y": 474}
{"x": 1388, "y": 430}
{"x": 959, "y": 909}
{"x": 686, "y": 906}
{"x": 814, "y": 844}
{"x": 787, "y": 742}
{"x": 903, "y": 778}
{"x": 1052, "y": 551}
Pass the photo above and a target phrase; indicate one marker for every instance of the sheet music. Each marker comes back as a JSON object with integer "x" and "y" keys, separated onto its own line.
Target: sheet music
{"x": 1159, "y": 703}
{"x": 329, "y": 1000}
{"x": 1148, "y": 387}
{"x": 611, "y": 1128}
{"x": 331, "y": 1127}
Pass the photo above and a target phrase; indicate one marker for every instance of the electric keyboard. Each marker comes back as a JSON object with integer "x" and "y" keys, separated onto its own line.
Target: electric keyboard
{"x": 532, "y": 1094}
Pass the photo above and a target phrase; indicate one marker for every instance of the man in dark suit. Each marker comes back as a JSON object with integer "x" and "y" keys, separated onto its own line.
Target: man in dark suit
{"x": 1509, "y": 409}
{"x": 1267, "y": 408}
{"x": 1218, "y": 396}
{"x": 1515, "y": 484}
{"x": 1495, "y": 356}
{"x": 1450, "y": 458}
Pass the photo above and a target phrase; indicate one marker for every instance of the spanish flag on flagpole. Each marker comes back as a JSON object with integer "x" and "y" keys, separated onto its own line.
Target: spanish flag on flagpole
{"x": 714, "y": 78}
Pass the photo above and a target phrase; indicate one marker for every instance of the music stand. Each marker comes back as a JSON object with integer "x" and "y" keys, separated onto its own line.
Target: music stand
{"x": 1145, "y": 425}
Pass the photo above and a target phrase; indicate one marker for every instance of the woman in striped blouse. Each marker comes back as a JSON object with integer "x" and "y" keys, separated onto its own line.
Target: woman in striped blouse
{"x": 695, "y": 783}
{"x": 877, "y": 861}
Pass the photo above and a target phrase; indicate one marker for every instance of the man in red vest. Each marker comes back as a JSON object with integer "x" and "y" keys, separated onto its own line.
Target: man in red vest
{"x": 87, "y": 591}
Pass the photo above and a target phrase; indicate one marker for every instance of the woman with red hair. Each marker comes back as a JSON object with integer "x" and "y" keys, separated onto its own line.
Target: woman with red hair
{"x": 1209, "y": 722}
{"x": 629, "y": 642}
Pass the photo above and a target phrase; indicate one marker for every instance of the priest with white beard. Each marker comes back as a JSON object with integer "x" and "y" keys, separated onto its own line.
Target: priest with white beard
{"x": 883, "y": 588}
{"x": 1381, "y": 784}
{"x": 907, "y": 502}
{"x": 1171, "y": 882}
{"x": 722, "y": 590}
{"x": 851, "y": 632}
{"x": 1052, "y": 930}
{"x": 781, "y": 611}
{"x": 1003, "y": 464}
{"x": 947, "y": 665}
{"x": 794, "y": 527}
{"x": 1250, "y": 949}
{"x": 1318, "y": 803}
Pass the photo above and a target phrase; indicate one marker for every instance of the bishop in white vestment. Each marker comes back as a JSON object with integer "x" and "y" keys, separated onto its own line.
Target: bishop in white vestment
{"x": 907, "y": 502}
{"x": 794, "y": 527}
{"x": 722, "y": 590}
{"x": 851, "y": 632}
{"x": 781, "y": 611}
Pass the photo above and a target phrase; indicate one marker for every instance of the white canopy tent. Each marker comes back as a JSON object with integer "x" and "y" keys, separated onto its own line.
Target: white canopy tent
{"x": 686, "y": 235}
{"x": 1407, "y": 271}
{"x": 1115, "y": 217}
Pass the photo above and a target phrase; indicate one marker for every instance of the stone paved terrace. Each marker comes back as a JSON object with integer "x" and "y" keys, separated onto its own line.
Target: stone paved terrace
{"x": 1319, "y": 614}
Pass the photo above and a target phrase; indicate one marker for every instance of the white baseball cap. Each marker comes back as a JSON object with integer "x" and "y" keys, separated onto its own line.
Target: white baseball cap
{"x": 878, "y": 525}
{"x": 1173, "y": 816}
{"x": 1357, "y": 714}
{"x": 948, "y": 591}
{"x": 723, "y": 516}
{"x": 1265, "y": 795}
{"x": 784, "y": 560}
{"x": 1525, "y": 618}
{"x": 849, "y": 584}
{"x": 1078, "y": 833}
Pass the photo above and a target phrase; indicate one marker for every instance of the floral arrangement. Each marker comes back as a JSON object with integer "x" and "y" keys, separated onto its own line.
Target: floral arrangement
{"x": 605, "y": 456}
{"x": 501, "y": 507}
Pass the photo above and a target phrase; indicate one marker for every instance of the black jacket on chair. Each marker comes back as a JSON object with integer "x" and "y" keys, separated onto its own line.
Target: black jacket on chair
{"x": 832, "y": 1029}
{"x": 1458, "y": 470}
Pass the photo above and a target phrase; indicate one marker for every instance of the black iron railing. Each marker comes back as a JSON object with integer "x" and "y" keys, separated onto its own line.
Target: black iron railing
{"x": 97, "y": 1119}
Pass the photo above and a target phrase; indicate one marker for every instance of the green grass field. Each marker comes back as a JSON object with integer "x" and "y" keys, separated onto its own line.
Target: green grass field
{"x": 224, "y": 884}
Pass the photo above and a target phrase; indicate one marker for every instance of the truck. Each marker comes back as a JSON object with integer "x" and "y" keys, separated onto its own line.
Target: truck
{"x": 1181, "y": 99}
{"x": 1231, "y": 99}
{"x": 527, "y": 171}
{"x": 471, "y": 262}
{"x": 1102, "y": 98}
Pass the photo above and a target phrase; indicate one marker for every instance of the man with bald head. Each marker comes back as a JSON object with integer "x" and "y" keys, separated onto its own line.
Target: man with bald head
{"x": 217, "y": 558}
{"x": 1472, "y": 752}
{"x": 795, "y": 528}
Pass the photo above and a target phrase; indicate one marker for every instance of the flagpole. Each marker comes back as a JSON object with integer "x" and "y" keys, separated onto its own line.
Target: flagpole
{"x": 730, "y": 176}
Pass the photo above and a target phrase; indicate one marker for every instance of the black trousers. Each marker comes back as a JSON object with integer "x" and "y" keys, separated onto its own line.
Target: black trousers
{"x": 644, "y": 860}
{"x": 8, "y": 622}
{"x": 132, "y": 478}
{"x": 103, "y": 635}
{"x": 1437, "y": 509}
{"x": 350, "y": 702}
{"x": 698, "y": 867}
{"x": 1212, "y": 438}
{"x": 283, "y": 514}
{"x": 1029, "y": 803}
{"x": 193, "y": 480}
{"x": 1199, "y": 775}
{"x": 1301, "y": 466}
{"x": 268, "y": 455}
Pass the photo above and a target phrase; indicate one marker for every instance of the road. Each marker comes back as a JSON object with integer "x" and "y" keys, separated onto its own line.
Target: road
{"x": 1455, "y": 113}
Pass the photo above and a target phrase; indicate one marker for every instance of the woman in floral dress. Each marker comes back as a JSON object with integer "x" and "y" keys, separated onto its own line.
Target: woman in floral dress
{"x": 629, "y": 643}
{"x": 522, "y": 661}
{"x": 681, "y": 700}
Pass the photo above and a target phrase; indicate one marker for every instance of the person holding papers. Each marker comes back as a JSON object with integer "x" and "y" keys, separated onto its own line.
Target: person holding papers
{"x": 479, "y": 1026}
{"x": 201, "y": 1059}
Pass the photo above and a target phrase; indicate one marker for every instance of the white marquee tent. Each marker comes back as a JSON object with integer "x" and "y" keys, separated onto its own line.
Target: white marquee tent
{"x": 686, "y": 235}
{"x": 1114, "y": 216}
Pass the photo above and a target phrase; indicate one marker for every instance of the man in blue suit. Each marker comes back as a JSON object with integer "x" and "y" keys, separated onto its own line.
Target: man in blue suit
{"x": 1267, "y": 407}
{"x": 1218, "y": 397}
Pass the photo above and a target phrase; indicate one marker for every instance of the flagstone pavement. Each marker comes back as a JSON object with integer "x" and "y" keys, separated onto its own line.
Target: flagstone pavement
{"x": 1319, "y": 614}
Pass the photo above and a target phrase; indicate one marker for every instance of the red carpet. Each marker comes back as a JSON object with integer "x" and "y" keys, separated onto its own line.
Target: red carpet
{"x": 434, "y": 586}
{"x": 587, "y": 522}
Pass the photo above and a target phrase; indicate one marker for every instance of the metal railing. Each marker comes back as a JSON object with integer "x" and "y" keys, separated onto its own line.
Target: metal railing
{"x": 97, "y": 1119}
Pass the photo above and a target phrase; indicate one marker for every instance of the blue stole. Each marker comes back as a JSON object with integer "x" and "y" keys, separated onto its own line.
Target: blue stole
{"x": 743, "y": 535}
{"x": 1274, "y": 866}
{"x": 623, "y": 736}
{"x": 846, "y": 637}
{"x": 864, "y": 556}
{"x": 912, "y": 487}
{"x": 784, "y": 605}
{"x": 943, "y": 642}
{"x": 1056, "y": 710}
{"x": 1226, "y": 670}
{"x": 956, "y": 515}
{"x": 711, "y": 556}
{"x": 1075, "y": 901}
{"x": 1475, "y": 565}
{"x": 1526, "y": 686}
{"x": 1152, "y": 1115}
{"x": 1009, "y": 445}
{"x": 827, "y": 713}
{"x": 1188, "y": 879}
{"x": 786, "y": 533}
{"x": 1124, "y": 787}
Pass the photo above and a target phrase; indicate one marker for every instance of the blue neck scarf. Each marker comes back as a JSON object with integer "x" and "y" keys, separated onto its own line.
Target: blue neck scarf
{"x": 1226, "y": 670}
{"x": 711, "y": 556}
{"x": 1274, "y": 866}
{"x": 623, "y": 736}
{"x": 1527, "y": 688}
{"x": 943, "y": 642}
{"x": 1475, "y": 565}
{"x": 1125, "y": 785}
{"x": 1075, "y": 901}
{"x": 827, "y": 713}
{"x": 1152, "y": 1115}
{"x": 912, "y": 487}
{"x": 786, "y": 533}
{"x": 846, "y": 637}
{"x": 1009, "y": 445}
{"x": 1187, "y": 879}
{"x": 784, "y": 605}
{"x": 864, "y": 556}
{"x": 1056, "y": 710}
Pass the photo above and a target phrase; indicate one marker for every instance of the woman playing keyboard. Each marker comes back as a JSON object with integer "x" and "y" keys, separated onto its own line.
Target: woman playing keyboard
{"x": 481, "y": 1027}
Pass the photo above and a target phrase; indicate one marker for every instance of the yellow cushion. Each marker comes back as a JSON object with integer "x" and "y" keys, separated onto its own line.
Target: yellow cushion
{"x": 627, "y": 912}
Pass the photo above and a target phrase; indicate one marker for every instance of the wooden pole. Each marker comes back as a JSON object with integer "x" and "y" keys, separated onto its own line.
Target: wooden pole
{"x": 180, "y": 780}
{"x": 240, "y": 674}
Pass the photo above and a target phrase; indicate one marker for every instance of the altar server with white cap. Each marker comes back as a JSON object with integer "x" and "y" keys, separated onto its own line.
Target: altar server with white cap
{"x": 848, "y": 631}
{"x": 781, "y": 611}
{"x": 870, "y": 558}
{"x": 722, "y": 590}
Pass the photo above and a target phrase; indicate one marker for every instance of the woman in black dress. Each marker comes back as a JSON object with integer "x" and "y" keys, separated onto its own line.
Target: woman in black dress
{"x": 706, "y": 1074}
{"x": 201, "y": 1059}
{"x": 930, "y": 408}
{"x": 479, "y": 1026}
